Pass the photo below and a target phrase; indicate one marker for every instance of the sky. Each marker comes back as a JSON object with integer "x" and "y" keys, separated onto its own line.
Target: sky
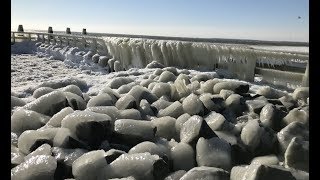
{"x": 275, "y": 20}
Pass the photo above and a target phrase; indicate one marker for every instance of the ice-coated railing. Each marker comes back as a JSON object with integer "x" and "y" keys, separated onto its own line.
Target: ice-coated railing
{"x": 138, "y": 52}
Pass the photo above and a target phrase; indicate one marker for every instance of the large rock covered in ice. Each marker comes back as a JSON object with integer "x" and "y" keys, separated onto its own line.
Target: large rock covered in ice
{"x": 48, "y": 104}
{"x": 212, "y": 102}
{"x": 103, "y": 99}
{"x": 89, "y": 166}
{"x": 182, "y": 156}
{"x": 73, "y": 89}
{"x": 162, "y": 89}
{"x": 301, "y": 93}
{"x": 132, "y": 132}
{"x": 35, "y": 168}
{"x": 167, "y": 76}
{"x": 192, "y": 105}
{"x": 266, "y": 160}
{"x": 126, "y": 102}
{"x": 214, "y": 152}
{"x": 207, "y": 87}
{"x": 259, "y": 171}
{"x": 194, "y": 128}
{"x": 75, "y": 101}
{"x": 140, "y": 92}
{"x": 115, "y": 83}
{"x": 217, "y": 122}
{"x": 139, "y": 166}
{"x": 42, "y": 91}
{"x": 295, "y": 129}
{"x": 297, "y": 154}
{"x": 165, "y": 127}
{"x": 44, "y": 149}
{"x": 22, "y": 120}
{"x": 151, "y": 148}
{"x": 15, "y": 101}
{"x": 175, "y": 175}
{"x": 56, "y": 119}
{"x": 237, "y": 87}
{"x": 300, "y": 114}
{"x": 270, "y": 93}
{"x": 271, "y": 116}
{"x": 30, "y": 140}
{"x": 88, "y": 126}
{"x": 111, "y": 111}
{"x": 205, "y": 172}
{"x": 174, "y": 110}
{"x": 155, "y": 64}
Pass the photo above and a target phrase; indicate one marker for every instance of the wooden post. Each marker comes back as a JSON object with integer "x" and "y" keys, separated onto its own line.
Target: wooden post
{"x": 29, "y": 37}
{"x": 68, "y": 31}
{"x": 305, "y": 79}
{"x": 84, "y": 31}
{"x": 20, "y": 28}
{"x": 13, "y": 38}
{"x": 43, "y": 39}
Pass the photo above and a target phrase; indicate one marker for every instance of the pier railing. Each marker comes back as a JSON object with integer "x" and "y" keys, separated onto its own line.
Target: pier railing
{"x": 98, "y": 45}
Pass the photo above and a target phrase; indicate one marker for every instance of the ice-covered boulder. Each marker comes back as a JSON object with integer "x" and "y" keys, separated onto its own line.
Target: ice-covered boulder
{"x": 48, "y": 104}
{"x": 42, "y": 91}
{"x": 255, "y": 105}
{"x": 294, "y": 129}
{"x": 73, "y": 89}
{"x": 22, "y": 120}
{"x": 140, "y": 92}
{"x": 270, "y": 92}
{"x": 224, "y": 93}
{"x": 271, "y": 116}
{"x": 237, "y": 87}
{"x": 260, "y": 171}
{"x": 194, "y": 128}
{"x": 117, "y": 82}
{"x": 266, "y": 160}
{"x": 103, "y": 61}
{"x": 152, "y": 148}
{"x": 117, "y": 66}
{"x": 16, "y": 156}
{"x": 35, "y": 168}
{"x": 111, "y": 111}
{"x": 192, "y": 105}
{"x": 301, "y": 93}
{"x": 300, "y": 114}
{"x": 214, "y": 152}
{"x": 182, "y": 156}
{"x": 155, "y": 64}
{"x": 167, "y": 76}
{"x": 126, "y": 102}
{"x": 89, "y": 166}
{"x": 145, "y": 109}
{"x": 165, "y": 127}
{"x": 139, "y": 166}
{"x": 175, "y": 175}
{"x": 179, "y": 122}
{"x": 15, "y": 101}
{"x": 207, "y": 87}
{"x": 162, "y": 89}
{"x": 103, "y": 99}
{"x": 217, "y": 122}
{"x": 44, "y": 149}
{"x": 88, "y": 126}
{"x": 205, "y": 172}
{"x": 160, "y": 104}
{"x": 297, "y": 154}
{"x": 56, "y": 119}
{"x": 75, "y": 102}
{"x": 95, "y": 58}
{"x": 212, "y": 102}
{"x": 132, "y": 132}
{"x": 236, "y": 104}
{"x": 129, "y": 114}
{"x": 174, "y": 110}
{"x": 30, "y": 140}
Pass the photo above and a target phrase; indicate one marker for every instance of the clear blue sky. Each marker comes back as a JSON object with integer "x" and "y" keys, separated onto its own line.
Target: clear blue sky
{"x": 242, "y": 19}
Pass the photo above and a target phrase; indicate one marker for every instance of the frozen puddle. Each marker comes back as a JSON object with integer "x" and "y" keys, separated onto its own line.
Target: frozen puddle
{"x": 71, "y": 120}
